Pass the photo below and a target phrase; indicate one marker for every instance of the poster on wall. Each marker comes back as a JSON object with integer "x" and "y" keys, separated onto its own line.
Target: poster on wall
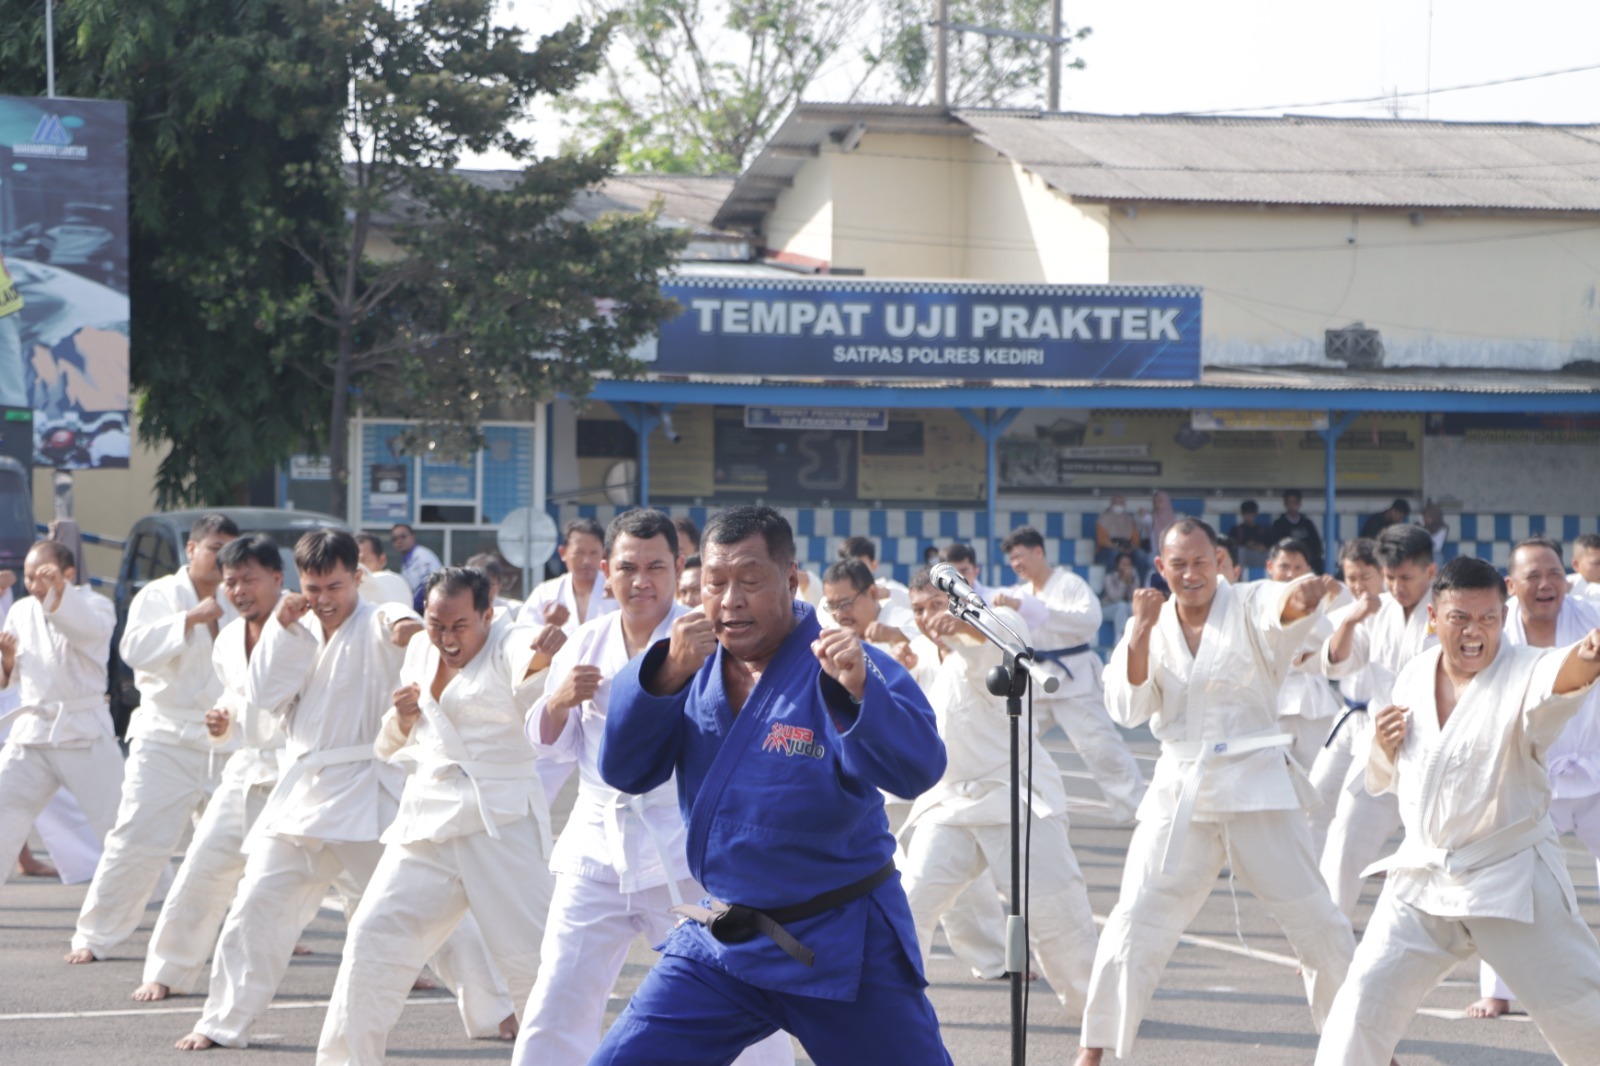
{"x": 64, "y": 283}
{"x": 925, "y": 455}
{"x": 1064, "y": 451}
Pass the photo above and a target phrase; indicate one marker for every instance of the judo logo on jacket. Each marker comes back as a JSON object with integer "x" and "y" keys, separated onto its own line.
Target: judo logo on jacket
{"x": 792, "y": 740}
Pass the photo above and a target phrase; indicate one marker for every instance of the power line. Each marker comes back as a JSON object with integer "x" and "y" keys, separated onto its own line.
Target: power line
{"x": 1397, "y": 95}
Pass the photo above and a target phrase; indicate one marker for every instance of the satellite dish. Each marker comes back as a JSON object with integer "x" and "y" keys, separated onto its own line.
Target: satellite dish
{"x": 622, "y": 482}
{"x": 526, "y": 537}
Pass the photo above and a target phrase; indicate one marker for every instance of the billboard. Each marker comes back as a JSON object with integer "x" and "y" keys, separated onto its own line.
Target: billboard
{"x": 64, "y": 287}
{"x": 852, "y": 328}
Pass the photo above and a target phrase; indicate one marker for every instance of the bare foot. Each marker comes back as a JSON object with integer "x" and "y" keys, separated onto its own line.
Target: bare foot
{"x": 32, "y": 867}
{"x": 508, "y": 1028}
{"x": 301, "y": 949}
{"x": 1088, "y": 1056}
{"x": 79, "y": 956}
{"x": 150, "y": 992}
{"x": 1488, "y": 1007}
{"x": 424, "y": 983}
{"x": 195, "y": 1042}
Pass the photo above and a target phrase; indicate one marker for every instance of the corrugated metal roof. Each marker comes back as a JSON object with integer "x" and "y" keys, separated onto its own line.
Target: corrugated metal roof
{"x": 1302, "y": 160}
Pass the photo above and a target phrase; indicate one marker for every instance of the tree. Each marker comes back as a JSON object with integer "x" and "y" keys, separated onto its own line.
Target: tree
{"x": 700, "y": 93}
{"x": 496, "y": 293}
{"x": 222, "y": 100}
{"x": 983, "y": 70}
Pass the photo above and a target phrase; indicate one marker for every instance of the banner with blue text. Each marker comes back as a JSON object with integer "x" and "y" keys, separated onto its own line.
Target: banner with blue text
{"x": 842, "y": 328}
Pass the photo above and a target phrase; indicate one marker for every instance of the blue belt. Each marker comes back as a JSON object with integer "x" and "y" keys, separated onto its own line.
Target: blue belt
{"x": 1351, "y": 707}
{"x": 1060, "y": 655}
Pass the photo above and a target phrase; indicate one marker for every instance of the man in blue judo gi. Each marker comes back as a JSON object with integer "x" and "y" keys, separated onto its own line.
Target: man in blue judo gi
{"x": 781, "y": 734}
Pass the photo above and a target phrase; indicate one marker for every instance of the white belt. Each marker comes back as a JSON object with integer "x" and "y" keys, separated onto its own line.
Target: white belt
{"x": 57, "y": 709}
{"x": 473, "y": 770}
{"x": 1201, "y": 756}
{"x": 307, "y": 761}
{"x": 1501, "y": 844}
{"x": 612, "y": 804}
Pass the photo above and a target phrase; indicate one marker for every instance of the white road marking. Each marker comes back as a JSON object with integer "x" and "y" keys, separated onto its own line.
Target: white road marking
{"x": 134, "y": 1012}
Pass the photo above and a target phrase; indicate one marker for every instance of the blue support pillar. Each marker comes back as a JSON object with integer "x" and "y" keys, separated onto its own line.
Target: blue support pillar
{"x": 642, "y": 418}
{"x": 1337, "y": 424}
{"x": 991, "y": 426}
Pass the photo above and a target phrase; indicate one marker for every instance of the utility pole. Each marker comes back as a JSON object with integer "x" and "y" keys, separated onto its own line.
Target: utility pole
{"x": 1054, "y": 96}
{"x": 50, "y": 48}
{"x": 941, "y": 55}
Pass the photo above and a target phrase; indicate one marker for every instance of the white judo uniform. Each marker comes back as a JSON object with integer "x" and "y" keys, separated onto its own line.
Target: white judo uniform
{"x": 60, "y": 725}
{"x": 1307, "y": 706}
{"x": 960, "y": 828}
{"x": 472, "y": 834}
{"x": 384, "y": 586}
{"x": 619, "y": 868}
{"x": 1362, "y": 822}
{"x": 172, "y": 765}
{"x": 192, "y": 914}
{"x": 1071, "y": 625}
{"x": 1573, "y": 760}
{"x": 560, "y": 590}
{"x": 1225, "y": 791}
{"x": 323, "y": 818}
{"x": 1579, "y": 586}
{"x": 1481, "y": 867}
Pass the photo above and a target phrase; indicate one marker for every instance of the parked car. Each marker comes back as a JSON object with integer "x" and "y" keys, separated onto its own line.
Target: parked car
{"x": 16, "y": 514}
{"x": 155, "y": 548}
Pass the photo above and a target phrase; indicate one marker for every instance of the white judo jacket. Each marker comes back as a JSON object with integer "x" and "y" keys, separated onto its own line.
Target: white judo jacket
{"x": 60, "y": 673}
{"x": 172, "y": 668}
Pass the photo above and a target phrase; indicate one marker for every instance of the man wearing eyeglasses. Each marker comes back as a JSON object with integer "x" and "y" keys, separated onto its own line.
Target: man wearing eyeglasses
{"x": 847, "y": 590}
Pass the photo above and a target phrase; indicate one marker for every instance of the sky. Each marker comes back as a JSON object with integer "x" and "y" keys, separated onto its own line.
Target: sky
{"x": 1156, "y": 56}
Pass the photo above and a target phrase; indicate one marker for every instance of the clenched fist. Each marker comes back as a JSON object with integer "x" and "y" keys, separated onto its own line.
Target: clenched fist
{"x": 1309, "y": 592}
{"x": 842, "y": 659}
{"x": 8, "y": 652}
{"x": 1366, "y": 606}
{"x": 407, "y": 706}
{"x": 545, "y": 644}
{"x": 556, "y": 614}
{"x": 292, "y": 609}
{"x": 217, "y": 721}
{"x": 205, "y": 613}
{"x": 1389, "y": 727}
{"x": 403, "y": 630}
{"x": 580, "y": 684}
{"x": 1147, "y": 605}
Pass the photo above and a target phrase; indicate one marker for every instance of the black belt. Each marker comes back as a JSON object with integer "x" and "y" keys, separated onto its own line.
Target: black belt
{"x": 734, "y": 923}
{"x": 1351, "y": 707}
{"x": 1059, "y": 655}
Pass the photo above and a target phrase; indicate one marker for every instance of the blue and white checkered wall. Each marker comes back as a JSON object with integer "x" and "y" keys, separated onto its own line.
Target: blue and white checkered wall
{"x": 903, "y": 534}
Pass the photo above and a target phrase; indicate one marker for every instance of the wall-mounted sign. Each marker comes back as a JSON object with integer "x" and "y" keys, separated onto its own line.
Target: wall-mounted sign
{"x": 843, "y": 328}
{"x": 862, "y": 418}
{"x": 1214, "y": 421}
{"x": 310, "y": 468}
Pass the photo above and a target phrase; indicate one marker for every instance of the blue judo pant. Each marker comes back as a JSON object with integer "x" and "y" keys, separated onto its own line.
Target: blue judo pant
{"x": 687, "y": 1013}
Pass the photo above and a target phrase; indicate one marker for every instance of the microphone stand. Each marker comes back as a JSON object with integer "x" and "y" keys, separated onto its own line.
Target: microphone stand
{"x": 1011, "y": 680}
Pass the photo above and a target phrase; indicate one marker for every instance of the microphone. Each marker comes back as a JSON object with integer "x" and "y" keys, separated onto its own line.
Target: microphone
{"x": 948, "y": 580}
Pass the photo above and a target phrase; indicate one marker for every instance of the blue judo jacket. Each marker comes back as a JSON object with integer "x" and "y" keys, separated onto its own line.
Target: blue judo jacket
{"x": 782, "y": 801}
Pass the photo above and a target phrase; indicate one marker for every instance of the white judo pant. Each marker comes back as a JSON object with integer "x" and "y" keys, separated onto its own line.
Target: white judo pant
{"x": 1553, "y": 964}
{"x": 1090, "y": 730}
{"x": 945, "y": 860}
{"x": 32, "y": 775}
{"x": 1329, "y": 772}
{"x": 192, "y": 915}
{"x": 283, "y": 882}
{"x": 1579, "y": 816}
{"x": 74, "y": 845}
{"x": 1270, "y": 852}
{"x": 418, "y": 895}
{"x": 163, "y": 788}
{"x": 1361, "y": 828}
{"x": 975, "y": 926}
{"x": 586, "y": 940}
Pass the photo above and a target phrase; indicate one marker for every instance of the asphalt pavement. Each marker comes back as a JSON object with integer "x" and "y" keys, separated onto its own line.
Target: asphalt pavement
{"x": 1230, "y": 994}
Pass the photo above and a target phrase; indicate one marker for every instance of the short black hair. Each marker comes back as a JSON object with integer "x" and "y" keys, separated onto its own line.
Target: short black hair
{"x": 1189, "y": 524}
{"x": 256, "y": 547}
{"x": 922, "y": 576}
{"x": 959, "y": 553}
{"x": 589, "y": 527}
{"x": 1400, "y": 505}
{"x": 1539, "y": 541}
{"x": 211, "y": 524}
{"x": 374, "y": 544}
{"x": 1465, "y": 573}
{"x": 492, "y": 566}
{"x": 1249, "y": 507}
{"x": 1586, "y": 542}
{"x": 451, "y": 580}
{"x": 56, "y": 550}
{"x": 1399, "y": 545}
{"x": 1225, "y": 544}
{"x": 858, "y": 548}
{"x": 1287, "y": 493}
{"x": 688, "y": 532}
{"x": 746, "y": 521}
{"x": 402, "y": 525}
{"x": 1361, "y": 550}
{"x": 852, "y": 570}
{"x": 321, "y": 551}
{"x": 1022, "y": 537}
{"x": 1287, "y": 545}
{"x": 642, "y": 523}
{"x": 692, "y": 563}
